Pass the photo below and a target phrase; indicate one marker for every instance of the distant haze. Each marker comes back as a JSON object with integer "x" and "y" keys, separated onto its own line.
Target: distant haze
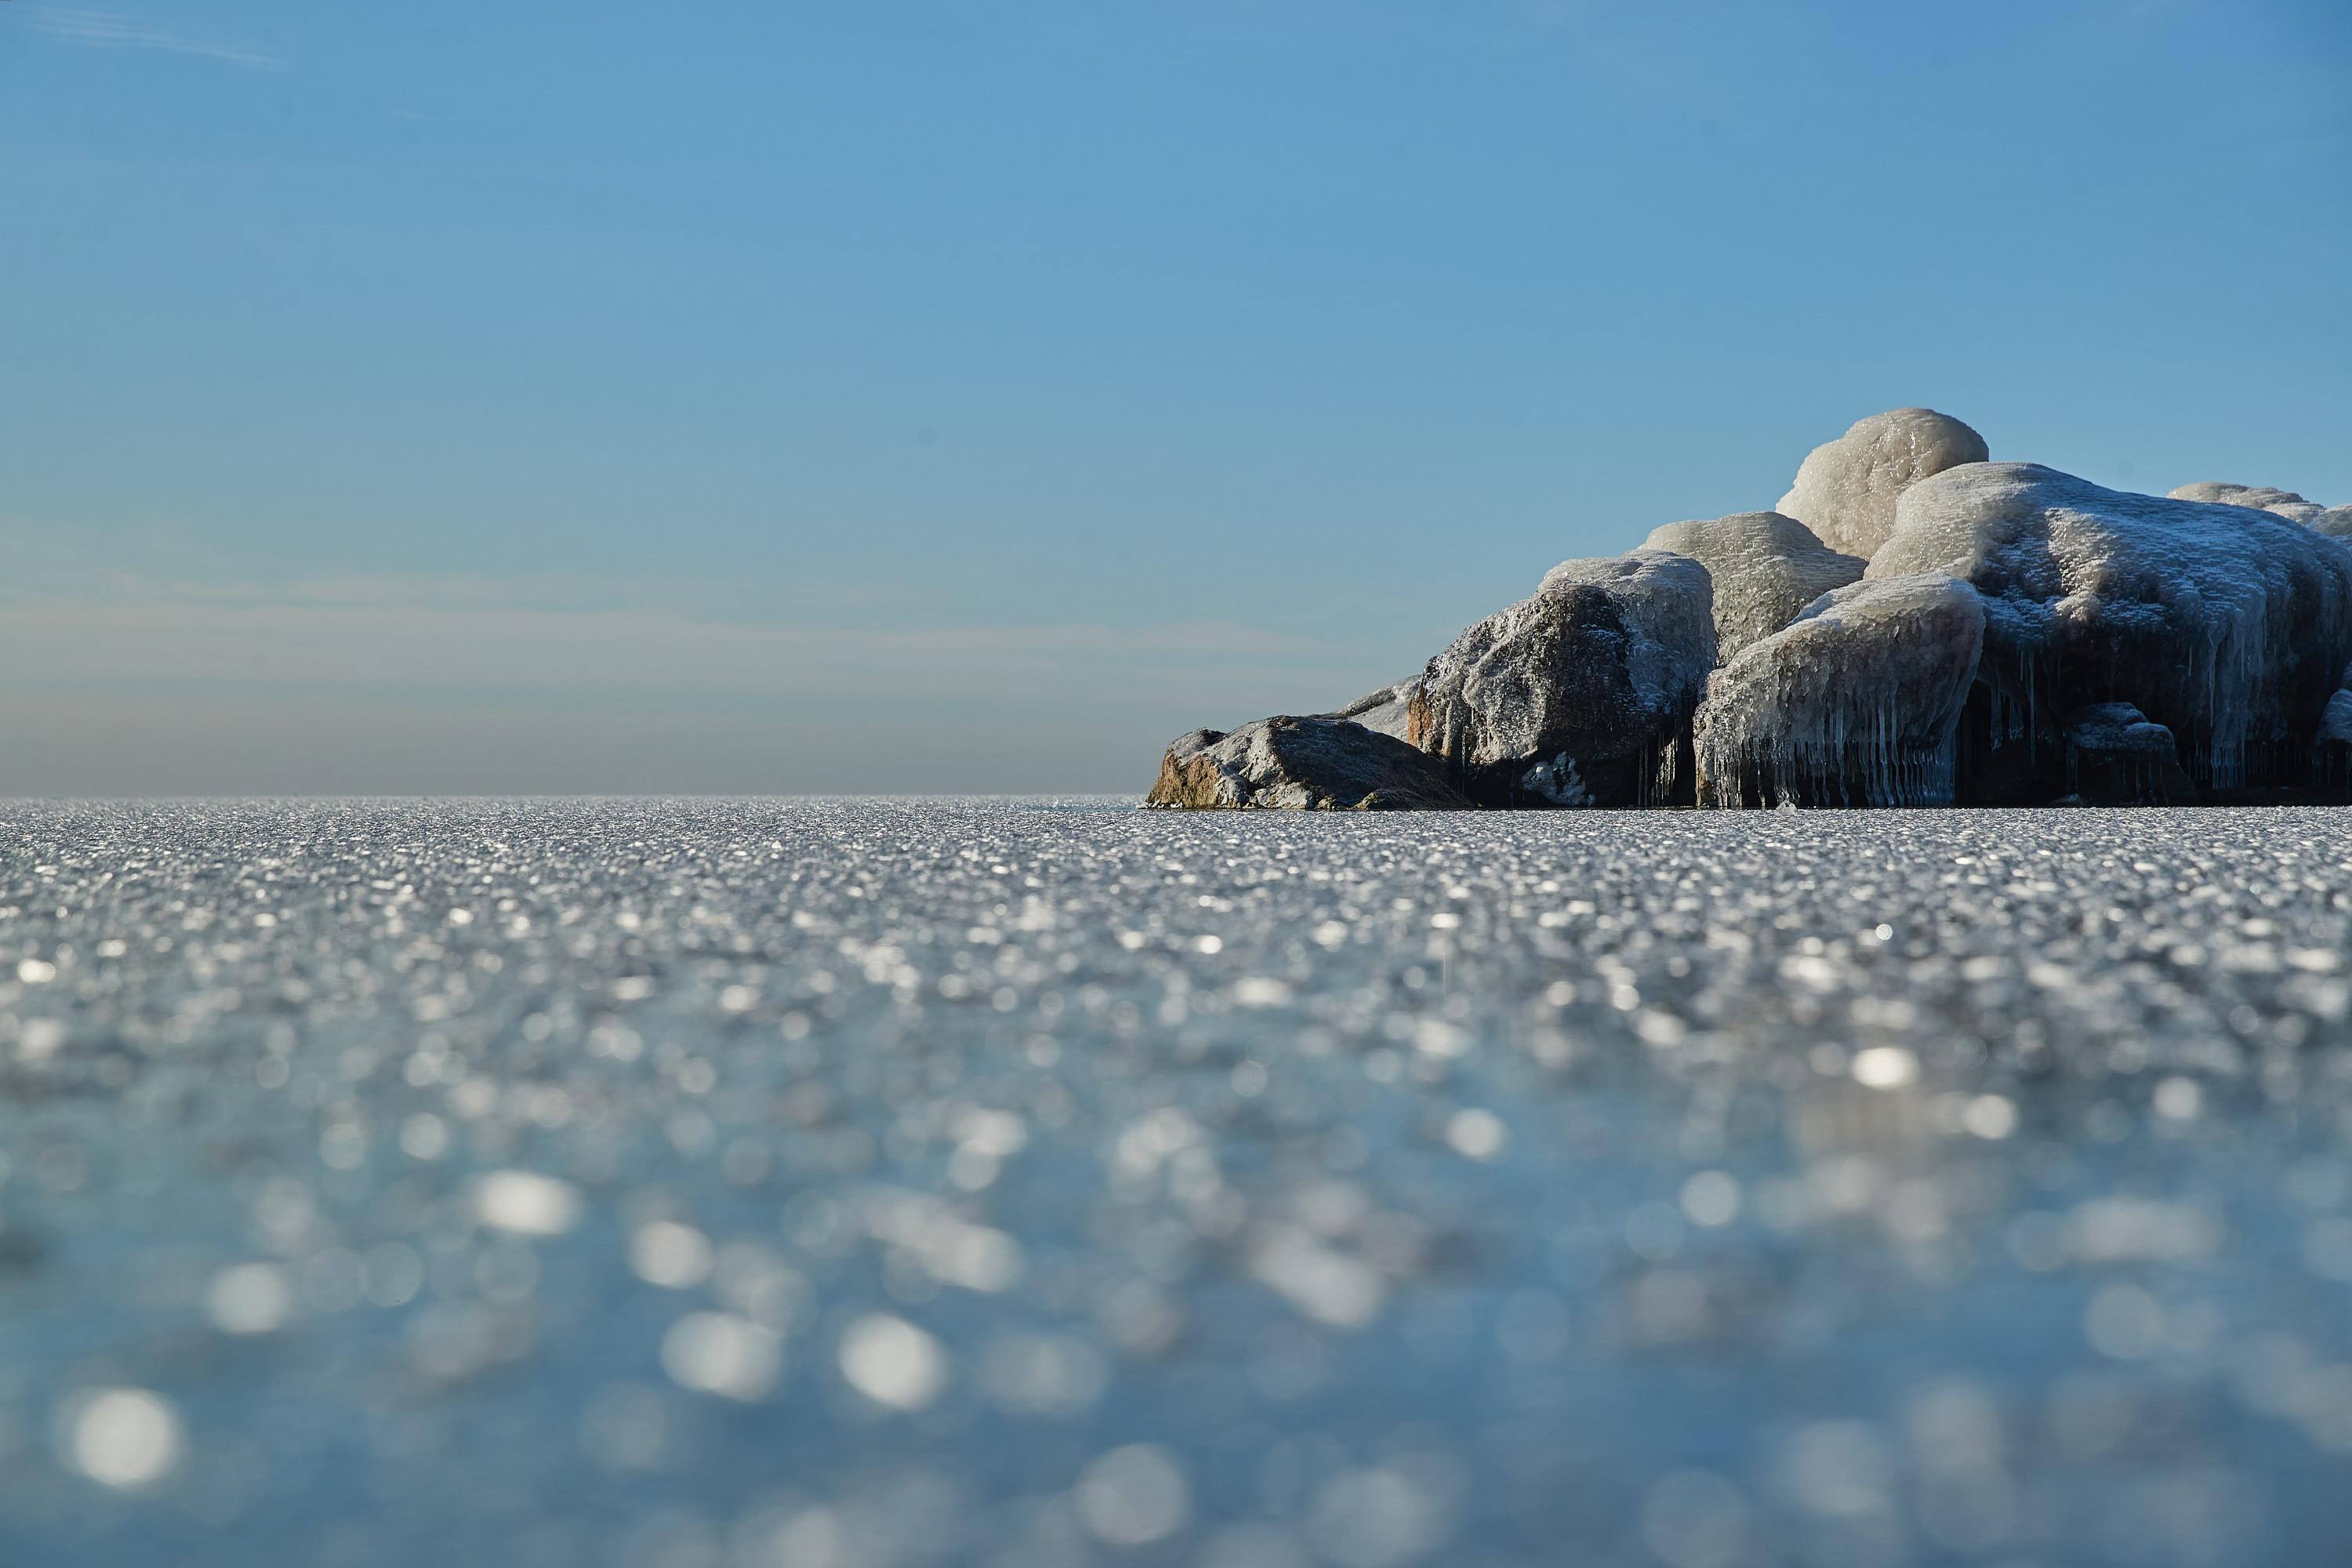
{"x": 598, "y": 398}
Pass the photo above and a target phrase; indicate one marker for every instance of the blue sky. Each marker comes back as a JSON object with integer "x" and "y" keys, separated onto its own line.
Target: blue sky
{"x": 595, "y": 397}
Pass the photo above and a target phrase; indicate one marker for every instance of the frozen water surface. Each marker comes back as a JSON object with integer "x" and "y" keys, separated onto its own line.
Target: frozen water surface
{"x": 868, "y": 1183}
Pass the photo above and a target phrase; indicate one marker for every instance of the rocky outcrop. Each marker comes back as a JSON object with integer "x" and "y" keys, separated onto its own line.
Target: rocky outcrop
{"x": 1857, "y": 702}
{"x": 2114, "y": 756}
{"x": 1847, "y": 489}
{"x": 1766, "y": 567}
{"x": 1915, "y": 626}
{"x": 1292, "y": 764}
{"x": 1580, "y": 695}
{"x": 2226, "y": 626}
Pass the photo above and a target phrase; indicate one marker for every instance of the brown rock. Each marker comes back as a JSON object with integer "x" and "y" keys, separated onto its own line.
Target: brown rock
{"x": 1300, "y": 764}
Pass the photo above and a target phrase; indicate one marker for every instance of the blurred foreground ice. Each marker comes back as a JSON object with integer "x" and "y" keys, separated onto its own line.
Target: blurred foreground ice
{"x": 865, "y": 1184}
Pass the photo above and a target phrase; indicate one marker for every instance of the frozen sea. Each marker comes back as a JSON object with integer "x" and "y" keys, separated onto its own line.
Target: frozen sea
{"x": 860, "y": 1183}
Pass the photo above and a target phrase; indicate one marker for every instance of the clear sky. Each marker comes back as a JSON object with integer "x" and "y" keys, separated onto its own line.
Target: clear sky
{"x": 900, "y": 395}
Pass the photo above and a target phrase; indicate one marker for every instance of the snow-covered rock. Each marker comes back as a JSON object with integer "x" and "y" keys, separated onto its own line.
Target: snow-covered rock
{"x": 2334, "y": 521}
{"x": 1291, "y": 763}
{"x": 1846, "y": 489}
{"x": 1383, "y": 711}
{"x": 1857, "y": 702}
{"x": 2114, "y": 756}
{"x": 1766, "y": 567}
{"x": 1580, "y": 695}
{"x": 2225, "y": 625}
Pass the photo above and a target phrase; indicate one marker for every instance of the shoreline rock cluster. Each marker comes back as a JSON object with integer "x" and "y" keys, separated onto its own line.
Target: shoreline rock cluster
{"x": 1916, "y": 624}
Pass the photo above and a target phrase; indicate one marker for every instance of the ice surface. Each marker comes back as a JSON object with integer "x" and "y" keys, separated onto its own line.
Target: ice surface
{"x": 1579, "y": 695}
{"x": 920, "y": 1182}
{"x": 2225, "y": 625}
{"x": 1846, "y": 489}
{"x": 1765, "y": 568}
{"x": 1292, "y": 764}
{"x": 1856, "y": 703}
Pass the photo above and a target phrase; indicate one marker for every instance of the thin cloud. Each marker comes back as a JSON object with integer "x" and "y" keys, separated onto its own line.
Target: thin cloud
{"x": 455, "y": 635}
{"x": 114, "y": 683}
{"x": 107, "y": 30}
{"x": 54, "y": 560}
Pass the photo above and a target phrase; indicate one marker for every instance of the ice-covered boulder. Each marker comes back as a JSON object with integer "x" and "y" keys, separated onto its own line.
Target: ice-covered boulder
{"x": 1857, "y": 702}
{"x": 1291, "y": 763}
{"x": 2334, "y": 521}
{"x": 1765, "y": 566}
{"x": 2333, "y": 762}
{"x": 2225, "y": 625}
{"x": 2114, "y": 756}
{"x": 1846, "y": 489}
{"x": 1580, "y": 695}
{"x": 1383, "y": 711}
{"x": 2262, "y": 498}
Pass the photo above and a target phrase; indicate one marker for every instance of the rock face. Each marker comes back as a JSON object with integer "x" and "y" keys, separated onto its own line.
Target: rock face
{"x": 1300, "y": 765}
{"x": 1578, "y": 695}
{"x": 1766, "y": 568}
{"x": 1857, "y": 702}
{"x": 2115, "y": 757}
{"x": 1383, "y": 711}
{"x": 1846, "y": 489}
{"x": 2229, "y": 626}
{"x": 2334, "y": 521}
